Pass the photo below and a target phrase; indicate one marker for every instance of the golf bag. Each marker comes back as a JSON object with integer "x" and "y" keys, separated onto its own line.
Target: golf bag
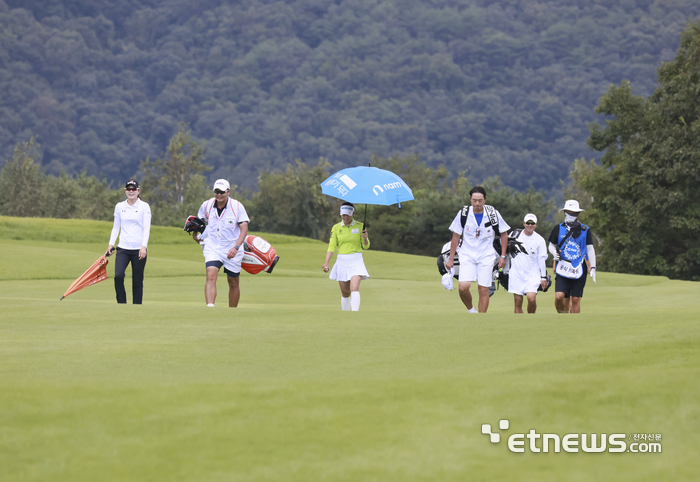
{"x": 259, "y": 255}
{"x": 444, "y": 256}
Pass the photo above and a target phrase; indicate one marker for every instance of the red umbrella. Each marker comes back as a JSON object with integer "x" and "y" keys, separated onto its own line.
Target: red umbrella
{"x": 94, "y": 274}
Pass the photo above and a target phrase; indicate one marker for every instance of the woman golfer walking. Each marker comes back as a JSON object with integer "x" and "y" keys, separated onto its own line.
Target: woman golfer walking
{"x": 133, "y": 218}
{"x": 349, "y": 238}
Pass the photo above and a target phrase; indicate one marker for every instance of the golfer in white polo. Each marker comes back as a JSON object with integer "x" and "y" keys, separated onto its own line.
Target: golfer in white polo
{"x": 222, "y": 241}
{"x": 528, "y": 270}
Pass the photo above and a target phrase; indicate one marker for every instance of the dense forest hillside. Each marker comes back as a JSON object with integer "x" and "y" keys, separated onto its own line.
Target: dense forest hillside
{"x": 500, "y": 87}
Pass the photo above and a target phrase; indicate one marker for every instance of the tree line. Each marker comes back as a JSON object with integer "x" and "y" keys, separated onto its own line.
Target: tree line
{"x": 492, "y": 88}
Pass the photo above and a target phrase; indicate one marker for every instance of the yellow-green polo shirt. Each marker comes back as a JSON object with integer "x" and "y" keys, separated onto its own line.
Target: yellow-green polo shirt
{"x": 348, "y": 239}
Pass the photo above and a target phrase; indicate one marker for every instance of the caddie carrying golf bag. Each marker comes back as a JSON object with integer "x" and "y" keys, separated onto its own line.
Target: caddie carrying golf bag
{"x": 259, "y": 255}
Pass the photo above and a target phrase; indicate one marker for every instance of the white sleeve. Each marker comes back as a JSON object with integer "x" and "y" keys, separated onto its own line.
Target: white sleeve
{"x": 543, "y": 255}
{"x": 202, "y": 213}
{"x": 552, "y": 249}
{"x": 146, "y": 225}
{"x": 502, "y": 225}
{"x": 116, "y": 227}
{"x": 242, "y": 214}
{"x": 456, "y": 226}
{"x": 591, "y": 255}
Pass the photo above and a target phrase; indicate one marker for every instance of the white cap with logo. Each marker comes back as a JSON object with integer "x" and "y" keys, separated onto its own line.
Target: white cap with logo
{"x": 530, "y": 217}
{"x": 222, "y": 185}
{"x": 572, "y": 205}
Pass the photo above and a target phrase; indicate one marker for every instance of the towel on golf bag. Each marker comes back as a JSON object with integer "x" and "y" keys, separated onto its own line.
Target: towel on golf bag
{"x": 259, "y": 255}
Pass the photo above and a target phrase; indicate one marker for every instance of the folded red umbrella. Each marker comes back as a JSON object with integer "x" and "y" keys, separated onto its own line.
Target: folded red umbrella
{"x": 94, "y": 274}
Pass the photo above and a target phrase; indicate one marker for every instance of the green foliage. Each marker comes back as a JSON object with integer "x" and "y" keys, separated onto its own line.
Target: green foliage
{"x": 501, "y": 88}
{"x": 174, "y": 184}
{"x": 22, "y": 182}
{"x": 26, "y": 191}
{"x": 291, "y": 202}
{"x": 645, "y": 191}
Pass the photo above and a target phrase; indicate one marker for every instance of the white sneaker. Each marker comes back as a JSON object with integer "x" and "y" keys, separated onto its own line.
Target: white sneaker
{"x": 473, "y": 310}
{"x": 210, "y": 304}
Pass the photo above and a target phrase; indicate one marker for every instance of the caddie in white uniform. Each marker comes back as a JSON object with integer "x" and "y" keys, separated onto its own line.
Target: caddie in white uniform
{"x": 222, "y": 241}
{"x": 528, "y": 271}
{"x": 476, "y": 253}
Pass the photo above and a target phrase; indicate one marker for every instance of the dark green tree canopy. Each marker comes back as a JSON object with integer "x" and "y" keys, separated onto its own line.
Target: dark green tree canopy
{"x": 646, "y": 201}
{"x": 488, "y": 87}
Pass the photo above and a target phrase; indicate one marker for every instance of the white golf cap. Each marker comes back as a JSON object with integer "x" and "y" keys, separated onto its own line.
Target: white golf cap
{"x": 348, "y": 210}
{"x": 572, "y": 205}
{"x": 222, "y": 185}
{"x": 530, "y": 217}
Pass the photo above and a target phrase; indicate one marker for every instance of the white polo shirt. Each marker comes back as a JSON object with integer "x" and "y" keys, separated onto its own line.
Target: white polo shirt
{"x": 477, "y": 238}
{"x": 530, "y": 265}
{"x": 223, "y": 229}
{"x": 134, "y": 223}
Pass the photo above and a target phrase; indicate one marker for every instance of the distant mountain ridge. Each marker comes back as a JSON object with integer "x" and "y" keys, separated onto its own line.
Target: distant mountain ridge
{"x": 501, "y": 88}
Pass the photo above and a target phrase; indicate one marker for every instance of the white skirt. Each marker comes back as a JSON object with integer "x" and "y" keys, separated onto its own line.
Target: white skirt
{"x": 347, "y": 266}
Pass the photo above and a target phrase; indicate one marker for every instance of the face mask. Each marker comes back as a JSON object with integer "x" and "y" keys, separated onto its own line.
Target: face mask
{"x": 570, "y": 219}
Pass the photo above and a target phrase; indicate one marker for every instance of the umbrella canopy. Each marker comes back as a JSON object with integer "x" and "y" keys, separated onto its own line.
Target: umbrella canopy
{"x": 94, "y": 274}
{"x": 367, "y": 185}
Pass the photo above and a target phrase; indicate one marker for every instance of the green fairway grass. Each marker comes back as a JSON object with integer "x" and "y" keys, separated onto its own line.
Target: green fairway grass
{"x": 286, "y": 387}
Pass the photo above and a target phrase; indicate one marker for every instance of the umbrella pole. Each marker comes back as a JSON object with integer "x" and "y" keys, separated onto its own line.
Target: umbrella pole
{"x": 364, "y": 220}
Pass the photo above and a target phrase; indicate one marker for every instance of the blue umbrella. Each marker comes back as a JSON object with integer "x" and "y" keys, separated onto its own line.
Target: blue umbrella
{"x": 367, "y": 185}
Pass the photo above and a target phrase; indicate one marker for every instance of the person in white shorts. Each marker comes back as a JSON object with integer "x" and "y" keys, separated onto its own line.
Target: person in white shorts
{"x": 528, "y": 271}
{"x": 222, "y": 241}
{"x": 476, "y": 252}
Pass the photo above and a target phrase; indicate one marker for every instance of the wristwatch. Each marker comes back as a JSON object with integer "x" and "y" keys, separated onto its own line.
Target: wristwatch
{"x": 503, "y": 256}
{"x": 237, "y": 247}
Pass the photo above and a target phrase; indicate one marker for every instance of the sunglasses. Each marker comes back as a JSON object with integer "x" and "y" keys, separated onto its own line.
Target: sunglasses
{"x": 217, "y": 191}
{"x": 530, "y": 223}
{"x": 131, "y": 189}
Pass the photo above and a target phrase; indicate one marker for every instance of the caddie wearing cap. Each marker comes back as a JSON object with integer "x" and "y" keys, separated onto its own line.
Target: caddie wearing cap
{"x": 571, "y": 243}
{"x": 528, "y": 270}
{"x": 222, "y": 241}
{"x": 349, "y": 238}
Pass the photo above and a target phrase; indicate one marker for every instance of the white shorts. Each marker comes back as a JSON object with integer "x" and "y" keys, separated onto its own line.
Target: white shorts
{"x": 233, "y": 264}
{"x": 519, "y": 285}
{"x": 481, "y": 271}
{"x": 347, "y": 266}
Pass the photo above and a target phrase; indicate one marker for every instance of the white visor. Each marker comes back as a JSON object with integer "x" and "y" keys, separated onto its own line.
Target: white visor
{"x": 349, "y": 210}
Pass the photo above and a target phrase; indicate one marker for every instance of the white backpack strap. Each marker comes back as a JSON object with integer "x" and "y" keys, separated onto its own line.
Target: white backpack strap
{"x": 491, "y": 211}
{"x": 210, "y": 205}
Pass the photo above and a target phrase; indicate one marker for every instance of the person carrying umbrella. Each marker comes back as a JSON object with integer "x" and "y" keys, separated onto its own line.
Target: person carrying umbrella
{"x": 349, "y": 238}
{"x": 132, "y": 218}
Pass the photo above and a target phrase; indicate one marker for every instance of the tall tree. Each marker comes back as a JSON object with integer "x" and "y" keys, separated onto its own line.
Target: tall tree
{"x": 291, "y": 202}
{"x": 174, "y": 184}
{"x": 22, "y": 182}
{"x": 646, "y": 201}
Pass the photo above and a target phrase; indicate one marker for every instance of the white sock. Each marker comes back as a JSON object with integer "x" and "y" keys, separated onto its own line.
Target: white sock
{"x": 210, "y": 304}
{"x": 355, "y": 300}
{"x": 473, "y": 310}
{"x": 345, "y": 303}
